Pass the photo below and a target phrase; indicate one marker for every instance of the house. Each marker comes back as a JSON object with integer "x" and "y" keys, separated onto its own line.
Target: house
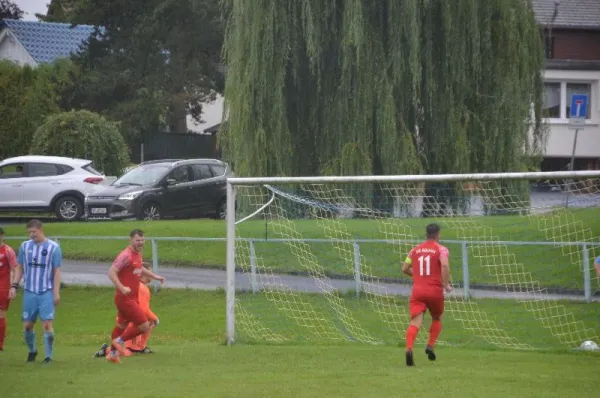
{"x": 571, "y": 31}
{"x": 33, "y": 43}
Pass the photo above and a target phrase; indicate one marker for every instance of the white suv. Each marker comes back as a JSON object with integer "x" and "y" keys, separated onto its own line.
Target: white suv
{"x": 47, "y": 184}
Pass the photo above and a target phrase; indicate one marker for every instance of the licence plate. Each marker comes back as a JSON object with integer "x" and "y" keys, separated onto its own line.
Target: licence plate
{"x": 98, "y": 210}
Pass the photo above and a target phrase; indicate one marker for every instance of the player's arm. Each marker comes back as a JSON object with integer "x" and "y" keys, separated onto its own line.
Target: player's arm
{"x": 56, "y": 264}
{"x": 597, "y": 266}
{"x": 150, "y": 274}
{"x": 17, "y": 272}
{"x": 122, "y": 261}
{"x": 407, "y": 266}
{"x": 445, "y": 262}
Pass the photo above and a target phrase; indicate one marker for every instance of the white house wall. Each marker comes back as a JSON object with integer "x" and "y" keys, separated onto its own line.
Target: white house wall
{"x": 560, "y": 137}
{"x": 212, "y": 113}
{"x": 12, "y": 50}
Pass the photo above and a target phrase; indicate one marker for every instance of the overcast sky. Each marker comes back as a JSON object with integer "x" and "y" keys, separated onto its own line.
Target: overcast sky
{"x": 32, "y": 7}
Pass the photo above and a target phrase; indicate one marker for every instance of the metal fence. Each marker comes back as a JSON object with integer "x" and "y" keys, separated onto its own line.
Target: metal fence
{"x": 585, "y": 247}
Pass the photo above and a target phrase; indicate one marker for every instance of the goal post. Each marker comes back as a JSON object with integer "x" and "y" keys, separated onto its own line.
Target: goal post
{"x": 318, "y": 259}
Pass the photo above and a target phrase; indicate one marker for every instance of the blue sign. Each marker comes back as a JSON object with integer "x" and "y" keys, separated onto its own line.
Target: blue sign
{"x": 579, "y": 104}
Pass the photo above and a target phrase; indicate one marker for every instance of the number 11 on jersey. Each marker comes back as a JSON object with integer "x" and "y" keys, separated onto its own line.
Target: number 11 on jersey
{"x": 425, "y": 265}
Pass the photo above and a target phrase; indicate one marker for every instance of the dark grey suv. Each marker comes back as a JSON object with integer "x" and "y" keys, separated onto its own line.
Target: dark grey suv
{"x": 164, "y": 188}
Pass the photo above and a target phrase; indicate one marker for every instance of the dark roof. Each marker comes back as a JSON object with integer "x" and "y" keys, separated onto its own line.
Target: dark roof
{"x": 571, "y": 14}
{"x": 213, "y": 129}
{"x": 47, "y": 41}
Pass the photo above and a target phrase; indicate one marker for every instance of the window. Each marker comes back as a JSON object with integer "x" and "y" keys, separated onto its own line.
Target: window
{"x": 201, "y": 172}
{"x": 146, "y": 174}
{"x": 552, "y": 100}
{"x": 218, "y": 170}
{"x": 579, "y": 88}
{"x": 12, "y": 170}
{"x": 558, "y": 95}
{"x": 90, "y": 169}
{"x": 549, "y": 47}
{"x": 46, "y": 170}
{"x": 180, "y": 174}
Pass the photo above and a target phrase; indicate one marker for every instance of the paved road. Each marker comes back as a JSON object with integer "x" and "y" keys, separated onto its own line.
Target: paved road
{"x": 90, "y": 273}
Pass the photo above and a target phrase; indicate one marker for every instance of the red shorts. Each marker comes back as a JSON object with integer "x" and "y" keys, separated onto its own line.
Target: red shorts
{"x": 4, "y": 300}
{"x": 420, "y": 303}
{"x": 129, "y": 310}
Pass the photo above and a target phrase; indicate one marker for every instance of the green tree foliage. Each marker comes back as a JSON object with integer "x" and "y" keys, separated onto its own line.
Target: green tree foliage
{"x": 10, "y": 10}
{"x": 58, "y": 11}
{"x": 420, "y": 86}
{"x": 152, "y": 63}
{"x": 83, "y": 134}
{"x": 28, "y": 96}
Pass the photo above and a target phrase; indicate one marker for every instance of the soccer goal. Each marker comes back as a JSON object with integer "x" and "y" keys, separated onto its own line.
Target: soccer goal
{"x": 318, "y": 259}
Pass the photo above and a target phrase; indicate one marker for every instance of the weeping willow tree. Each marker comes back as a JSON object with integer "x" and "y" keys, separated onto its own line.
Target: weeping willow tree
{"x": 382, "y": 87}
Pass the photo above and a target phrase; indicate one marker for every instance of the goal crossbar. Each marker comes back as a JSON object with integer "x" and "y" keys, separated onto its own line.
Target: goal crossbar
{"x": 416, "y": 178}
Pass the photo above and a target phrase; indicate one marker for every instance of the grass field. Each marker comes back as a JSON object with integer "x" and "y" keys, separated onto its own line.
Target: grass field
{"x": 558, "y": 267}
{"x": 190, "y": 360}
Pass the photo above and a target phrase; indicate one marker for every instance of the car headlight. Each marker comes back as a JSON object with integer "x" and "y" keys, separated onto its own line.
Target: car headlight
{"x": 130, "y": 195}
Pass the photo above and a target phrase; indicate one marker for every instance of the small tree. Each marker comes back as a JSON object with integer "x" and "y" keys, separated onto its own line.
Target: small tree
{"x": 83, "y": 134}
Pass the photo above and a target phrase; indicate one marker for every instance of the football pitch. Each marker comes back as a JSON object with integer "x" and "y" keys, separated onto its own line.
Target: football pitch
{"x": 190, "y": 359}
{"x": 552, "y": 266}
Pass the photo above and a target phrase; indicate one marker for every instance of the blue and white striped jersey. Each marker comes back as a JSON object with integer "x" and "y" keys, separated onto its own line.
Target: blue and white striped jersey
{"x": 39, "y": 260}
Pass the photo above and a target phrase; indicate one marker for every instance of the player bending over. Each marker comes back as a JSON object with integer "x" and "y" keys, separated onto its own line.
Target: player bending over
{"x": 428, "y": 265}
{"x": 8, "y": 262}
{"x": 126, "y": 273}
{"x": 138, "y": 345}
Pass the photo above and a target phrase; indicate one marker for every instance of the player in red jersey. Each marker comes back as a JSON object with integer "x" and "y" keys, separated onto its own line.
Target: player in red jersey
{"x": 429, "y": 267}
{"x": 8, "y": 262}
{"x": 126, "y": 273}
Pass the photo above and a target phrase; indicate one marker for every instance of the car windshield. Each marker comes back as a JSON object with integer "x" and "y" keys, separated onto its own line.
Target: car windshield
{"x": 143, "y": 175}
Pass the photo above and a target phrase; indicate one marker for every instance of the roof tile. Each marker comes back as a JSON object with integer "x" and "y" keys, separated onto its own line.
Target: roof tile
{"x": 47, "y": 41}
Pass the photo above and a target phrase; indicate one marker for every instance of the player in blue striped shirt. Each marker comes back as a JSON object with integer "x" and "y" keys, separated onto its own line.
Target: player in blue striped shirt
{"x": 39, "y": 261}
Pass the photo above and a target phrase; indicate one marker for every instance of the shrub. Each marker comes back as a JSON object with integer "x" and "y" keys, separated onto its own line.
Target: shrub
{"x": 83, "y": 134}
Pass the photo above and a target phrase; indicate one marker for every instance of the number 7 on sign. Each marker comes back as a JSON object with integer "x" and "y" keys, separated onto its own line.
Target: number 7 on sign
{"x": 425, "y": 265}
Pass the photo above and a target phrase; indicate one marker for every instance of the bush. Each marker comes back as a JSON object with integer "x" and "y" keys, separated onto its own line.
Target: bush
{"x": 83, "y": 134}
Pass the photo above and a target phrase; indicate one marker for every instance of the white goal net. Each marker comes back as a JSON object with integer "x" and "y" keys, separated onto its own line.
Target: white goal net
{"x": 319, "y": 259}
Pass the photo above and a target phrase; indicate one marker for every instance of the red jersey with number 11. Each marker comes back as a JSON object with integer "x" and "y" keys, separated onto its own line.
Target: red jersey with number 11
{"x": 129, "y": 270}
{"x": 427, "y": 267}
{"x": 8, "y": 261}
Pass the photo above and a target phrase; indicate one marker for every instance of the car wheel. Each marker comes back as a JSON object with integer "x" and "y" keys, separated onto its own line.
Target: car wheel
{"x": 222, "y": 210}
{"x": 151, "y": 211}
{"x": 68, "y": 208}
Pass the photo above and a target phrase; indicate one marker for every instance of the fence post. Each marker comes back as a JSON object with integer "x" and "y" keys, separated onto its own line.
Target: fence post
{"x": 154, "y": 263}
{"x": 465, "y": 268}
{"x": 357, "y": 281}
{"x": 253, "y": 281}
{"x": 587, "y": 278}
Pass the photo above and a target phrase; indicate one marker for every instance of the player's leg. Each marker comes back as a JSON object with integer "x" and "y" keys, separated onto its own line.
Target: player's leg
{"x": 120, "y": 326}
{"x": 46, "y": 309}
{"x": 137, "y": 317}
{"x": 29, "y": 316}
{"x": 417, "y": 308}
{"x": 4, "y": 304}
{"x": 436, "y": 309}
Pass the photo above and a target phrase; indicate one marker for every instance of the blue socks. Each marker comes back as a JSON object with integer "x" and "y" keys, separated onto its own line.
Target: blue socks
{"x": 48, "y": 342}
{"x": 30, "y": 340}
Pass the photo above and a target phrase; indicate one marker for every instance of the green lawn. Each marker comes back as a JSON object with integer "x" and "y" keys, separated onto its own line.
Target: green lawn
{"x": 190, "y": 359}
{"x": 552, "y": 266}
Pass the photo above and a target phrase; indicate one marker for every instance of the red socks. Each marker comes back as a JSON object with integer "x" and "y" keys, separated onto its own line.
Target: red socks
{"x": 2, "y": 332}
{"x": 117, "y": 331}
{"x": 411, "y": 335}
{"x": 434, "y": 332}
{"x": 130, "y": 333}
